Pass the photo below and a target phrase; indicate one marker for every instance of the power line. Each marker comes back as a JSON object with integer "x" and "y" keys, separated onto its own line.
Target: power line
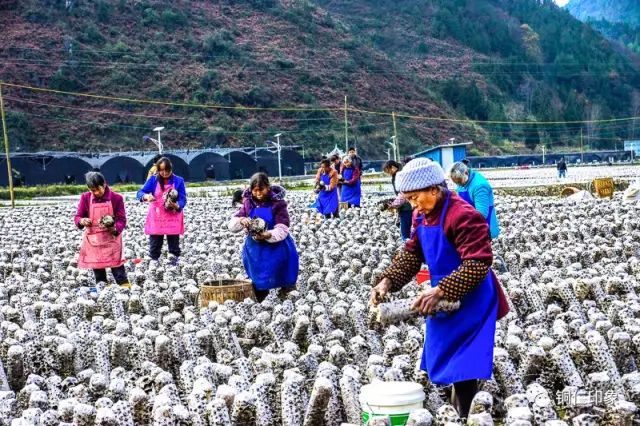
{"x": 166, "y": 103}
{"x": 163, "y": 66}
{"x": 192, "y": 130}
{"x": 476, "y": 62}
{"x": 483, "y": 122}
{"x": 120, "y": 113}
{"x": 302, "y": 109}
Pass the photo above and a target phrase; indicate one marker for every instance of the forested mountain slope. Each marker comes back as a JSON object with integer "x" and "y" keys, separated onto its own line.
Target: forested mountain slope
{"x": 481, "y": 60}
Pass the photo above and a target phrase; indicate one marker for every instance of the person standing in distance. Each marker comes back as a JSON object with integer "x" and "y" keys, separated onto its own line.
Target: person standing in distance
{"x": 562, "y": 168}
{"x": 357, "y": 161}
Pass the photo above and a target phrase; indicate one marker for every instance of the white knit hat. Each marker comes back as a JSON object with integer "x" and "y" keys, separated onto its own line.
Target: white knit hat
{"x": 419, "y": 173}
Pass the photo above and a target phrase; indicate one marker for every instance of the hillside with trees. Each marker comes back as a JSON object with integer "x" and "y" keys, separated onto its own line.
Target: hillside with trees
{"x": 613, "y": 11}
{"x": 447, "y": 67}
{"x": 617, "y": 20}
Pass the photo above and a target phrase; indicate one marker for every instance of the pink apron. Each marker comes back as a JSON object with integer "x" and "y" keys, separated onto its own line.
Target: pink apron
{"x": 99, "y": 248}
{"x": 161, "y": 221}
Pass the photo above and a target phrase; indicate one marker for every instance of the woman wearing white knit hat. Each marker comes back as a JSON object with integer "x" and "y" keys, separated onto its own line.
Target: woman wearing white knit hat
{"x": 452, "y": 238}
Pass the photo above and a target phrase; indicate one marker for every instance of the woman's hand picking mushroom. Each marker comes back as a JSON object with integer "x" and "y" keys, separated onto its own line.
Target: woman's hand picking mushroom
{"x": 262, "y": 236}
{"x": 379, "y": 292}
{"x": 427, "y": 301}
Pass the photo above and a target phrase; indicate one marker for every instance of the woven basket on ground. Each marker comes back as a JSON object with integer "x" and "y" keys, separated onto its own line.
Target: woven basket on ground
{"x": 569, "y": 190}
{"x": 221, "y": 290}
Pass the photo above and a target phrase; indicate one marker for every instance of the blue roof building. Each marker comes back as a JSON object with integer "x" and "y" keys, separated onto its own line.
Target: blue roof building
{"x": 446, "y": 155}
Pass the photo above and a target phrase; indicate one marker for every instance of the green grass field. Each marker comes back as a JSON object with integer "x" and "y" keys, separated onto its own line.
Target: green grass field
{"x": 31, "y": 192}
{"x": 57, "y": 190}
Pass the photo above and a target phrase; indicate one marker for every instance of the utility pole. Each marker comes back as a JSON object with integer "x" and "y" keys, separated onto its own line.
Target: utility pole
{"x": 346, "y": 127}
{"x": 581, "y": 151}
{"x": 279, "y": 157}
{"x": 394, "y": 145}
{"x": 6, "y": 150}
{"x": 395, "y": 135}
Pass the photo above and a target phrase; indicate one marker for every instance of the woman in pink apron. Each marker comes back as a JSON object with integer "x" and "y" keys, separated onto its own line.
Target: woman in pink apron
{"x": 165, "y": 217}
{"x": 102, "y": 215}
{"x": 452, "y": 238}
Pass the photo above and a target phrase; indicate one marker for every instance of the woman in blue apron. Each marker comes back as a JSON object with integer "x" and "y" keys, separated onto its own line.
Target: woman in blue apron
{"x": 327, "y": 190}
{"x": 351, "y": 190}
{"x": 452, "y": 238}
{"x": 270, "y": 258}
{"x": 474, "y": 189}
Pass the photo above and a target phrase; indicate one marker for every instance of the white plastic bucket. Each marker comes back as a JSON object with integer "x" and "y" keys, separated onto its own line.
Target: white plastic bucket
{"x": 393, "y": 399}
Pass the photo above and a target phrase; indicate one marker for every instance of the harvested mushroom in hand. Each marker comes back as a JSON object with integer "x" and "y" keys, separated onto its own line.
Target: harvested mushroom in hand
{"x": 257, "y": 228}
{"x": 107, "y": 221}
{"x": 171, "y": 199}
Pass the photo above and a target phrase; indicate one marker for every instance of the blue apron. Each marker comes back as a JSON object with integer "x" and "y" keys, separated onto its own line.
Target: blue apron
{"x": 327, "y": 202}
{"x": 467, "y": 197}
{"x": 270, "y": 265}
{"x": 458, "y": 346}
{"x": 350, "y": 193}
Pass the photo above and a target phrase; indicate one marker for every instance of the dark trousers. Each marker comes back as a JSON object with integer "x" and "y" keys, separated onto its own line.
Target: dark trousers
{"x": 405, "y": 223}
{"x": 464, "y": 393}
{"x": 119, "y": 274}
{"x": 335, "y": 214}
{"x": 260, "y": 294}
{"x": 155, "y": 245}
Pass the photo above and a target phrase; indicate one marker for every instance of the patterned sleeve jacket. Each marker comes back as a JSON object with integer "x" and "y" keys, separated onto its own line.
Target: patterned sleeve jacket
{"x": 467, "y": 231}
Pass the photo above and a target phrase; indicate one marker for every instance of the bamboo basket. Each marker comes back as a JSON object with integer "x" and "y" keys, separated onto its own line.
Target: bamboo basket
{"x": 603, "y": 187}
{"x": 221, "y": 290}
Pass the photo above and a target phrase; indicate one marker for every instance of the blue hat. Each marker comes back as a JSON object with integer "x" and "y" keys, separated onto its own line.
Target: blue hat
{"x": 419, "y": 174}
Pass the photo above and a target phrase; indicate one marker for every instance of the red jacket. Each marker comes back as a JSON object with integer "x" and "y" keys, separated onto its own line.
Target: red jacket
{"x": 117, "y": 202}
{"x": 467, "y": 230}
{"x": 354, "y": 178}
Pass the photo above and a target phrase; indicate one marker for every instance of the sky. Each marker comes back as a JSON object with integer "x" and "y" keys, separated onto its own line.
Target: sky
{"x": 561, "y": 2}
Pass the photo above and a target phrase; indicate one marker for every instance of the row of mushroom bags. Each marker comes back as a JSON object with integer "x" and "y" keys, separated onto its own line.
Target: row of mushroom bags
{"x": 152, "y": 355}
